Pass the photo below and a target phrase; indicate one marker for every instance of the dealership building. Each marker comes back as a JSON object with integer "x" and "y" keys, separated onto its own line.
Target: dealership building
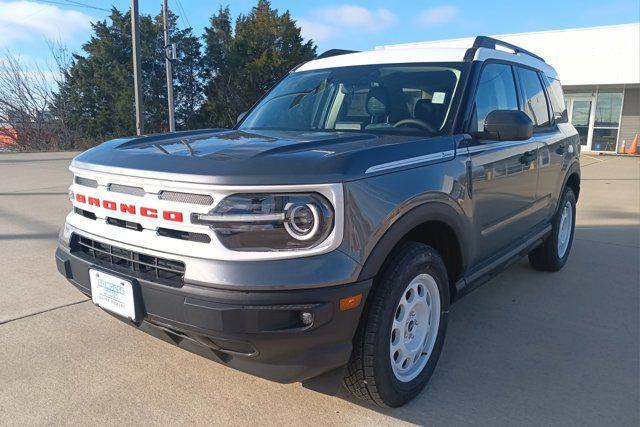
{"x": 599, "y": 68}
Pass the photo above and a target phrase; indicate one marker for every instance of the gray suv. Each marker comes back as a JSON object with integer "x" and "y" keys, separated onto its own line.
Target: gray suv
{"x": 338, "y": 221}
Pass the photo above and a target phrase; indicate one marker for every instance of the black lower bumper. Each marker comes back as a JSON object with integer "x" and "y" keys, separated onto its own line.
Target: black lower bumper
{"x": 260, "y": 333}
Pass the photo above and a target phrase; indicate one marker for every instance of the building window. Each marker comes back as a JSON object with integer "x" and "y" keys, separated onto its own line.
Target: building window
{"x": 607, "y": 120}
{"x": 580, "y": 118}
{"x": 604, "y": 139}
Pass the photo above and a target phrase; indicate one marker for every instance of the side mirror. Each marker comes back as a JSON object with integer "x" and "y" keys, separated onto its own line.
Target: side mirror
{"x": 241, "y": 116}
{"x": 508, "y": 125}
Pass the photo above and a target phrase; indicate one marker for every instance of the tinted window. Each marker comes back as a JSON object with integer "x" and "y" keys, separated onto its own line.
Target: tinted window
{"x": 554, "y": 89}
{"x": 394, "y": 99}
{"x": 535, "y": 102}
{"x": 496, "y": 91}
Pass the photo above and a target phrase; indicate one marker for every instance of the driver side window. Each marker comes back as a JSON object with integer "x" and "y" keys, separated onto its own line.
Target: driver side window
{"x": 496, "y": 91}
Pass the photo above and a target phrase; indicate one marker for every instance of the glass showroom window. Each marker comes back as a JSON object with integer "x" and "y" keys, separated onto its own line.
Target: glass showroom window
{"x": 607, "y": 120}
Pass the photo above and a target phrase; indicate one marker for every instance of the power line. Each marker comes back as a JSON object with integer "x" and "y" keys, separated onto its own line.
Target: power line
{"x": 72, "y": 3}
{"x": 183, "y": 14}
{"x": 80, "y": 4}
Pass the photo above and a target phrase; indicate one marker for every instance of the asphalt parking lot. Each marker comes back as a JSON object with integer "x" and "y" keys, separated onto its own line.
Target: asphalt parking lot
{"x": 527, "y": 348}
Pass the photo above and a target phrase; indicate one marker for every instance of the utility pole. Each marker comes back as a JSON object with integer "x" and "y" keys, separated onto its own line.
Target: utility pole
{"x": 168, "y": 56}
{"x": 137, "y": 69}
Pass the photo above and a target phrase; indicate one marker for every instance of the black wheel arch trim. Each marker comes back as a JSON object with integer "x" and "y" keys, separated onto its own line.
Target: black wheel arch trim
{"x": 574, "y": 168}
{"x": 436, "y": 210}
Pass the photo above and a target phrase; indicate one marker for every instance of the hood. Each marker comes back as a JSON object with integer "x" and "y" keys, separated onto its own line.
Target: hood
{"x": 235, "y": 157}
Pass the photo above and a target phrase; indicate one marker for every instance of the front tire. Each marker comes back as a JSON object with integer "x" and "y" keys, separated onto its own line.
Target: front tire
{"x": 400, "y": 336}
{"x": 552, "y": 255}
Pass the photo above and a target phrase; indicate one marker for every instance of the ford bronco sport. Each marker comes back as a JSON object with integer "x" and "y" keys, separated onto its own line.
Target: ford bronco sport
{"x": 339, "y": 219}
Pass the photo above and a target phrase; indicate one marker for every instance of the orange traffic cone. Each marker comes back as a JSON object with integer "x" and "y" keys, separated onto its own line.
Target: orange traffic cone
{"x": 634, "y": 146}
{"x": 621, "y": 149}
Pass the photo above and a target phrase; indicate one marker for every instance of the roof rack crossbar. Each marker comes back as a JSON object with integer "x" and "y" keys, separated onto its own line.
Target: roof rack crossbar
{"x": 335, "y": 52}
{"x": 491, "y": 43}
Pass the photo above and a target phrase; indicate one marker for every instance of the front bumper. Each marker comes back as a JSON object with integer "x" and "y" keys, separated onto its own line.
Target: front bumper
{"x": 258, "y": 332}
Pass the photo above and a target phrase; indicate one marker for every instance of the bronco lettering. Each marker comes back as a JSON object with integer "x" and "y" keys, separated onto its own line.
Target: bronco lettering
{"x": 130, "y": 209}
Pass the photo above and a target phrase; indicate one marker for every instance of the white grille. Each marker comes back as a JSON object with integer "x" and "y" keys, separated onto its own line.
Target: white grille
{"x": 194, "y": 199}
{"x": 127, "y": 189}
{"x": 86, "y": 182}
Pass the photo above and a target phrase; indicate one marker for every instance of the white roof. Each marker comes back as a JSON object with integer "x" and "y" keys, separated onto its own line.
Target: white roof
{"x": 419, "y": 53}
{"x": 582, "y": 56}
{"x": 395, "y": 56}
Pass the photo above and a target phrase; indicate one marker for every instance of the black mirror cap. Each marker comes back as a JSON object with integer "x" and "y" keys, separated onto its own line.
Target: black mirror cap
{"x": 508, "y": 125}
{"x": 241, "y": 116}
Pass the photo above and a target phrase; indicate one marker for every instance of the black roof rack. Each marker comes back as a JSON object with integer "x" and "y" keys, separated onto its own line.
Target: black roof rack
{"x": 335, "y": 52}
{"x": 491, "y": 43}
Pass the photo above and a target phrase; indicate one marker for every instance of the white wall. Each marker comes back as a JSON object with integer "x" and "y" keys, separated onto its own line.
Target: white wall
{"x": 585, "y": 56}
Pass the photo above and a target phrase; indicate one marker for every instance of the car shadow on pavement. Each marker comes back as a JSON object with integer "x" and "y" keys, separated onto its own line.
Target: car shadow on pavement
{"x": 29, "y": 236}
{"x": 532, "y": 347}
{"x": 30, "y": 160}
{"x": 53, "y": 193}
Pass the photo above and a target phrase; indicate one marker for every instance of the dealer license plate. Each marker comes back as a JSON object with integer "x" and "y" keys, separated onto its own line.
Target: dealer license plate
{"x": 113, "y": 294}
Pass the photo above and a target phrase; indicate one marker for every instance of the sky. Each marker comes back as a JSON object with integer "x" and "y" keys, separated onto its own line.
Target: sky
{"x": 25, "y": 26}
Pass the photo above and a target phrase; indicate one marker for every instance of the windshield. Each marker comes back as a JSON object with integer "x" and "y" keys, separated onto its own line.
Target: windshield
{"x": 399, "y": 99}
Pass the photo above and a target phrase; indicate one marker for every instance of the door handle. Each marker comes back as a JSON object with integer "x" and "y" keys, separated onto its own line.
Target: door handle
{"x": 528, "y": 157}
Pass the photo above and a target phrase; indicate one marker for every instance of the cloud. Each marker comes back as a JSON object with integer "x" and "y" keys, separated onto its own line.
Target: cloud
{"x": 357, "y": 18}
{"x": 28, "y": 20}
{"x": 438, "y": 15}
{"x": 316, "y": 31}
{"x": 333, "y": 21}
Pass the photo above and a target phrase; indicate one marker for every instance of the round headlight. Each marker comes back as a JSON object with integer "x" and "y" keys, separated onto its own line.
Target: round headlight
{"x": 264, "y": 222}
{"x": 302, "y": 221}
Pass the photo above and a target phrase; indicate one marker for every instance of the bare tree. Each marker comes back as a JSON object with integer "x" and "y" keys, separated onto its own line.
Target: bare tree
{"x": 68, "y": 138}
{"x": 26, "y": 95}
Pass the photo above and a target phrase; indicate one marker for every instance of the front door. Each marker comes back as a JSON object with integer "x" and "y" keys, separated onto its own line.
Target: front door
{"x": 504, "y": 174}
{"x": 504, "y": 184}
{"x": 581, "y": 114}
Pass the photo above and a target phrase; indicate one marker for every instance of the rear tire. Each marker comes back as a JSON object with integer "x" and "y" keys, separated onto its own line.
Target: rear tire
{"x": 552, "y": 255}
{"x": 401, "y": 333}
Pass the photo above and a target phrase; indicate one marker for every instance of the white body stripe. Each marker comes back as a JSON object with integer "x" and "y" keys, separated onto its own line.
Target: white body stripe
{"x": 411, "y": 161}
{"x": 494, "y": 145}
{"x": 441, "y": 155}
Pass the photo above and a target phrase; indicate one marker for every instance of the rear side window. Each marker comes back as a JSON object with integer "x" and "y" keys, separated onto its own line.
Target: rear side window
{"x": 535, "y": 102}
{"x": 496, "y": 91}
{"x": 554, "y": 89}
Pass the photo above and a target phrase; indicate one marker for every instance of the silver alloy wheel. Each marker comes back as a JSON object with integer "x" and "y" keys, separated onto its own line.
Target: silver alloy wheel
{"x": 415, "y": 327}
{"x": 564, "y": 229}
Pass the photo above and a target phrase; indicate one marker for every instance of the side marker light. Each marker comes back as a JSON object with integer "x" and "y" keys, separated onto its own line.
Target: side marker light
{"x": 350, "y": 302}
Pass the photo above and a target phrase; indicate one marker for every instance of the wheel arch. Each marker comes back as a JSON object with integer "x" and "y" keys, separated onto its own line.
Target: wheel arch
{"x": 572, "y": 179}
{"x": 436, "y": 223}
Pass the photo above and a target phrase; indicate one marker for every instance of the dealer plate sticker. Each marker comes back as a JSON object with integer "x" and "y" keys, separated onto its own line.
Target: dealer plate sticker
{"x": 112, "y": 293}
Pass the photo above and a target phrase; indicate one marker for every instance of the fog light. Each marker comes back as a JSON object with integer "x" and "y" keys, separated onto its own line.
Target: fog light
{"x": 306, "y": 318}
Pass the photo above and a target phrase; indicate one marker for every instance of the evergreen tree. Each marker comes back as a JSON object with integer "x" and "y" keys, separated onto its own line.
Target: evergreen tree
{"x": 97, "y": 89}
{"x": 241, "y": 64}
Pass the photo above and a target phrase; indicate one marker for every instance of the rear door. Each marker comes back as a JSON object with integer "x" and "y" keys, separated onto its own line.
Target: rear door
{"x": 504, "y": 174}
{"x": 559, "y": 144}
{"x": 551, "y": 141}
